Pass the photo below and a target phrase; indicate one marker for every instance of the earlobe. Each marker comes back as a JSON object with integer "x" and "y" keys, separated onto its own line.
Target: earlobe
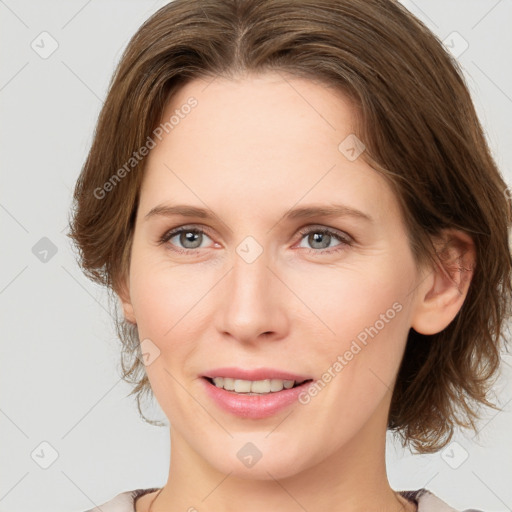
{"x": 123, "y": 293}
{"x": 128, "y": 312}
{"x": 443, "y": 292}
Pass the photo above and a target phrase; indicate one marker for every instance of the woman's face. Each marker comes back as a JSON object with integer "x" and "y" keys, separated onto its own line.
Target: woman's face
{"x": 262, "y": 279}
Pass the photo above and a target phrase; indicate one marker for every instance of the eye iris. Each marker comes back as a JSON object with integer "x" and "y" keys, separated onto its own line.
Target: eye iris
{"x": 320, "y": 238}
{"x": 317, "y": 239}
{"x": 190, "y": 236}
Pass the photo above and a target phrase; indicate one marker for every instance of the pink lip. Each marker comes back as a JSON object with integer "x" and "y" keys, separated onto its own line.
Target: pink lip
{"x": 254, "y": 406}
{"x": 256, "y": 374}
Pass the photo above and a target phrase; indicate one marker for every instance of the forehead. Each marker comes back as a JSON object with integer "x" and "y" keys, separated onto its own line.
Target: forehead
{"x": 261, "y": 140}
{"x": 256, "y": 117}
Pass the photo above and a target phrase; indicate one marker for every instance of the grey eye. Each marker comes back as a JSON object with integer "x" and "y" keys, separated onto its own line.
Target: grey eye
{"x": 188, "y": 238}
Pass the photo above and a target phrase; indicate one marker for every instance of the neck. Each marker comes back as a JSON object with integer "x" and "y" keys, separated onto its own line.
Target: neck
{"x": 352, "y": 478}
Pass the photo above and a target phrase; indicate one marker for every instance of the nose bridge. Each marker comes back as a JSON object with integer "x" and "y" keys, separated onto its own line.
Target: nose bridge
{"x": 253, "y": 304}
{"x": 250, "y": 277}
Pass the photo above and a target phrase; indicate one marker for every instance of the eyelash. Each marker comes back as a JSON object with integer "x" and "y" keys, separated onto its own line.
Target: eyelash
{"x": 344, "y": 240}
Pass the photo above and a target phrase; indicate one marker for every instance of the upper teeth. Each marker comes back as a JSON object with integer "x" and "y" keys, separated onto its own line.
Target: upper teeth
{"x": 252, "y": 386}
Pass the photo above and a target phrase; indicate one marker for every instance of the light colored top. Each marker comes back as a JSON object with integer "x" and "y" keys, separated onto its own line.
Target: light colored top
{"x": 423, "y": 498}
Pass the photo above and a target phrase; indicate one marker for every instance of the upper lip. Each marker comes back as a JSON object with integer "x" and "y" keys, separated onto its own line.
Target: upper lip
{"x": 255, "y": 374}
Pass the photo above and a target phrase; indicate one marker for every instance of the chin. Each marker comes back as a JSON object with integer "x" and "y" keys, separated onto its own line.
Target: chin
{"x": 250, "y": 459}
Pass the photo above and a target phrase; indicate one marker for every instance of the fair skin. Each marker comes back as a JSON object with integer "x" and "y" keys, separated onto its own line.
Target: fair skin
{"x": 250, "y": 151}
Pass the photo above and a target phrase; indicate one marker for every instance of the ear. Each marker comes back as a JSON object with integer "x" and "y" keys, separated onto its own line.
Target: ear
{"x": 123, "y": 292}
{"x": 443, "y": 291}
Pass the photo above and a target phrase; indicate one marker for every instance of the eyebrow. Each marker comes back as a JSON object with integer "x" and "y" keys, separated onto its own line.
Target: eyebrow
{"x": 303, "y": 212}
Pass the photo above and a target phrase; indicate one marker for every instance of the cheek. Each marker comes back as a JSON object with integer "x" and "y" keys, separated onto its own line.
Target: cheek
{"x": 356, "y": 366}
{"x": 363, "y": 322}
{"x": 343, "y": 304}
{"x": 165, "y": 298}
{"x": 165, "y": 302}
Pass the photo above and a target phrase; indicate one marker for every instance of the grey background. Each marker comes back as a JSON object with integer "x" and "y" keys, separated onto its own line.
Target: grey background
{"x": 59, "y": 375}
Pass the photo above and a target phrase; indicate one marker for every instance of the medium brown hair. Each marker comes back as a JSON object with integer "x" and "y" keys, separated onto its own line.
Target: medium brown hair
{"x": 420, "y": 129}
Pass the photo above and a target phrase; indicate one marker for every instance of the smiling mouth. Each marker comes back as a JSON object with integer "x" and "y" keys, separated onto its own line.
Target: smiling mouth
{"x": 251, "y": 387}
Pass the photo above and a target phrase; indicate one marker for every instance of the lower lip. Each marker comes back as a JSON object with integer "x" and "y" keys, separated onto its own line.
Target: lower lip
{"x": 254, "y": 406}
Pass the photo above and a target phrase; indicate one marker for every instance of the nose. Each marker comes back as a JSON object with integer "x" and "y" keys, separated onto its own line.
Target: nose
{"x": 253, "y": 302}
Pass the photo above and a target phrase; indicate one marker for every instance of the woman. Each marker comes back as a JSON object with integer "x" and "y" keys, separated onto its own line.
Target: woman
{"x": 295, "y": 204}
